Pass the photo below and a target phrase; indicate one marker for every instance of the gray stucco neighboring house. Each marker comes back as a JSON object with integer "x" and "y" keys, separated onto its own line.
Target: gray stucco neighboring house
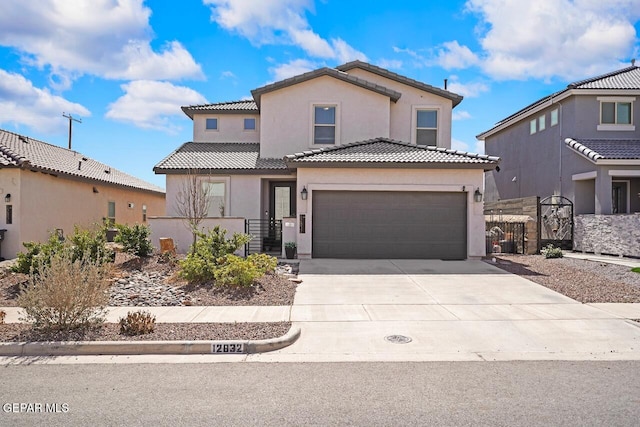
{"x": 581, "y": 142}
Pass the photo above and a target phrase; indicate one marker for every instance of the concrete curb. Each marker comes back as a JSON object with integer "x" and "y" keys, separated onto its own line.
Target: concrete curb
{"x": 95, "y": 348}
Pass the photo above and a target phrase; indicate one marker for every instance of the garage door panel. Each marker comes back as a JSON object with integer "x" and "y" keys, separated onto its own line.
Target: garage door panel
{"x": 377, "y": 224}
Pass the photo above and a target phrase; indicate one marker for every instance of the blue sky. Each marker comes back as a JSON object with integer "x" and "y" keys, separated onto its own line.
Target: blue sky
{"x": 126, "y": 66}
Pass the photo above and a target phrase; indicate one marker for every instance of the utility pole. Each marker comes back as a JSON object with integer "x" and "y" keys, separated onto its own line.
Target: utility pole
{"x": 71, "y": 120}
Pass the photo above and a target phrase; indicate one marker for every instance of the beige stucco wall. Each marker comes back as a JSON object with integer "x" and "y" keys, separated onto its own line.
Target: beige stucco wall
{"x": 361, "y": 179}
{"x": 286, "y": 125}
{"x": 42, "y": 203}
{"x": 230, "y": 128}
{"x": 403, "y": 118}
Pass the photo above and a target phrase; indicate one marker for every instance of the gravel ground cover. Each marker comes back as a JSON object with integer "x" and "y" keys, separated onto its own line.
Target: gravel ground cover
{"x": 583, "y": 280}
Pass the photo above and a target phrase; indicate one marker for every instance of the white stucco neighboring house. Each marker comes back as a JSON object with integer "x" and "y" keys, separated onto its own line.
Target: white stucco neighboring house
{"x": 46, "y": 188}
{"x": 351, "y": 162}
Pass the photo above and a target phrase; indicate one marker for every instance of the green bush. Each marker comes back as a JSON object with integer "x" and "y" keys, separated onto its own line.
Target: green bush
{"x": 551, "y": 252}
{"x": 636, "y": 270}
{"x": 208, "y": 253}
{"x": 236, "y": 271}
{"x": 135, "y": 239}
{"x": 67, "y": 293}
{"x": 83, "y": 244}
{"x": 263, "y": 262}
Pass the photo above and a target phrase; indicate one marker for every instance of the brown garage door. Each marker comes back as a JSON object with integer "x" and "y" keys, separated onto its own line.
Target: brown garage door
{"x": 384, "y": 224}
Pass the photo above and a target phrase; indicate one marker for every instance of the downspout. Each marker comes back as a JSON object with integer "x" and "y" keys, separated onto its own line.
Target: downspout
{"x": 561, "y": 142}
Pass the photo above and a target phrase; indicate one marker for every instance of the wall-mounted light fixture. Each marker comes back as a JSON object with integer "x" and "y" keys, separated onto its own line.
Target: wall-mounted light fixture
{"x": 304, "y": 193}
{"x": 477, "y": 195}
{"x": 7, "y": 198}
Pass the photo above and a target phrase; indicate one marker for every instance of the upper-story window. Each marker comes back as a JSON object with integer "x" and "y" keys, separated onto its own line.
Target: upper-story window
{"x": 554, "y": 117}
{"x": 324, "y": 124}
{"x": 616, "y": 113}
{"x": 212, "y": 124}
{"x": 533, "y": 126}
{"x": 542, "y": 123}
{"x": 427, "y": 127}
{"x": 250, "y": 123}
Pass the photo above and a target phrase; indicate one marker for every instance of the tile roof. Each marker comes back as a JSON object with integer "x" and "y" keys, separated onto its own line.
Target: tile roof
{"x": 384, "y": 151}
{"x": 233, "y": 107}
{"x": 257, "y": 93}
{"x": 606, "y": 149}
{"x": 402, "y": 79}
{"x": 216, "y": 157}
{"x": 22, "y": 151}
{"x": 625, "y": 79}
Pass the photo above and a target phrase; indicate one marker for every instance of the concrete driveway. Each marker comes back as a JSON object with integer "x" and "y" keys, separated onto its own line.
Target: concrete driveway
{"x": 451, "y": 310}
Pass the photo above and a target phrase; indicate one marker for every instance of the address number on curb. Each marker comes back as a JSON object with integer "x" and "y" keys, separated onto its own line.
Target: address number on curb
{"x": 227, "y": 348}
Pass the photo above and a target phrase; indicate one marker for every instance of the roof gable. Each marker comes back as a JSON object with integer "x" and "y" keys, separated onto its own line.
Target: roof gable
{"x": 233, "y": 107}
{"x": 24, "y": 152}
{"x": 392, "y": 94}
{"x": 455, "y": 98}
{"x": 606, "y": 149}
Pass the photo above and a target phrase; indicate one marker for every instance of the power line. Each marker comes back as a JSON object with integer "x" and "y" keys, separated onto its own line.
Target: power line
{"x": 71, "y": 120}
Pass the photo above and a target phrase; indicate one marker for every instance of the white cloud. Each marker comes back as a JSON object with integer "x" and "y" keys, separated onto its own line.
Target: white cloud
{"x": 451, "y": 55}
{"x": 279, "y": 22}
{"x": 292, "y": 68}
{"x": 468, "y": 90}
{"x": 391, "y": 64}
{"x": 477, "y": 147}
{"x": 555, "y": 38}
{"x": 152, "y": 104}
{"x": 105, "y": 38}
{"x": 460, "y": 115}
{"x": 23, "y": 104}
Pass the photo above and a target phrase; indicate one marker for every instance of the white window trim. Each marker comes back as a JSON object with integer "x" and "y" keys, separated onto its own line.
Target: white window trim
{"x": 217, "y": 129}
{"x": 312, "y": 121}
{"x": 613, "y": 126}
{"x": 414, "y": 123}
{"x": 255, "y": 129}
{"x": 557, "y": 111}
{"x": 542, "y": 123}
{"x": 533, "y": 129}
{"x": 227, "y": 195}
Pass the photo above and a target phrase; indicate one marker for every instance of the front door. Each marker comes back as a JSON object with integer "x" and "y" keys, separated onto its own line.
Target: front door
{"x": 619, "y": 197}
{"x": 282, "y": 200}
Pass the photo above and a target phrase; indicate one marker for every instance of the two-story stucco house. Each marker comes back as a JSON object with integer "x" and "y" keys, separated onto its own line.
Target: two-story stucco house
{"x": 46, "y": 188}
{"x": 582, "y": 143}
{"x": 355, "y": 161}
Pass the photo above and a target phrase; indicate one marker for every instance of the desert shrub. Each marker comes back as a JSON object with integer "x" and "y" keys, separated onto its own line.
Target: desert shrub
{"x": 208, "y": 252}
{"x": 36, "y": 254}
{"x": 90, "y": 244}
{"x": 263, "y": 262}
{"x": 236, "y": 271}
{"x": 137, "y": 323}
{"x": 635, "y": 270}
{"x": 551, "y": 252}
{"x": 135, "y": 239}
{"x": 2, "y": 316}
{"x": 66, "y": 293}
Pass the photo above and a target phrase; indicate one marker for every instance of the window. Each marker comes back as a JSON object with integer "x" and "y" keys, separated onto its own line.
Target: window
{"x": 324, "y": 124}
{"x": 554, "y": 117}
{"x": 111, "y": 213}
{"x": 616, "y": 113}
{"x": 216, "y": 194}
{"x": 212, "y": 124}
{"x": 144, "y": 213}
{"x": 542, "y": 123}
{"x": 9, "y": 215}
{"x": 250, "y": 124}
{"x": 532, "y": 126}
{"x": 427, "y": 127}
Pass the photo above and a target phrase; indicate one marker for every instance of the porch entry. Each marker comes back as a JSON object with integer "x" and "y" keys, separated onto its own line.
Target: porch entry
{"x": 267, "y": 232}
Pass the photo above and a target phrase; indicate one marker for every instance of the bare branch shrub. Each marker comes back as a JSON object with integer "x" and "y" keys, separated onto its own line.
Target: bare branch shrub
{"x": 193, "y": 202}
{"x": 67, "y": 293}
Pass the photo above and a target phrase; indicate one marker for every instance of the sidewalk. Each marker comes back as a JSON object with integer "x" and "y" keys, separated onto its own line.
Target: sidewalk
{"x": 627, "y": 262}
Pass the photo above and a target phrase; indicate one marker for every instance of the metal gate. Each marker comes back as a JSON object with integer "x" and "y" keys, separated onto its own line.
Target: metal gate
{"x": 555, "y": 222}
{"x": 267, "y": 236}
{"x": 505, "y": 237}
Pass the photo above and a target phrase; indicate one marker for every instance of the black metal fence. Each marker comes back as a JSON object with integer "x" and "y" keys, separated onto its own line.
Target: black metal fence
{"x": 267, "y": 236}
{"x": 505, "y": 237}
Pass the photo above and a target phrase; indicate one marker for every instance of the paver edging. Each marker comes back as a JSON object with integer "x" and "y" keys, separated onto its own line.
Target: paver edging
{"x": 95, "y": 348}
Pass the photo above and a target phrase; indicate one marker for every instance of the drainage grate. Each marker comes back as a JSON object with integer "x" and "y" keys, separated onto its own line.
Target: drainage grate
{"x": 398, "y": 339}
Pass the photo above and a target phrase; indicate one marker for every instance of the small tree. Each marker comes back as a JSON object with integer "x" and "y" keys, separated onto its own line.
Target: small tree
{"x": 193, "y": 202}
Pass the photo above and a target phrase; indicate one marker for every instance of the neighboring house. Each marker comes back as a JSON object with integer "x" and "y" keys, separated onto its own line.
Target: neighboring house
{"x": 46, "y": 188}
{"x": 355, "y": 160}
{"x": 581, "y": 143}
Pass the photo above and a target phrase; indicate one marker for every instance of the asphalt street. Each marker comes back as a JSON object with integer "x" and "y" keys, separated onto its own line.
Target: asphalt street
{"x": 296, "y": 394}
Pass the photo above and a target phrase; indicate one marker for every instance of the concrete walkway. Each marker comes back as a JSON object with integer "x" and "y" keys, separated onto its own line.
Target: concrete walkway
{"x": 627, "y": 262}
{"x": 451, "y": 310}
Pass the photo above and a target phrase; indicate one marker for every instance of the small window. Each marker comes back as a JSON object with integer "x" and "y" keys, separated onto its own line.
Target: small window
{"x": 542, "y": 123}
{"x": 324, "y": 121}
{"x": 427, "y": 127}
{"x": 554, "y": 117}
{"x": 615, "y": 113}
{"x": 212, "y": 124}
{"x": 216, "y": 193}
{"x": 111, "y": 213}
{"x": 9, "y": 215}
{"x": 533, "y": 126}
{"x": 250, "y": 124}
{"x": 144, "y": 213}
